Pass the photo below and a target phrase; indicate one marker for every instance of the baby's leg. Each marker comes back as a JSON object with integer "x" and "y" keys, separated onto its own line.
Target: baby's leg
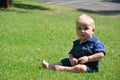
{"x": 76, "y": 68}
{"x": 48, "y": 66}
{"x": 45, "y": 64}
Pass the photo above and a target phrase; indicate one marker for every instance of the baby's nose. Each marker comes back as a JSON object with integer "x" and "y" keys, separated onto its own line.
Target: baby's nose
{"x": 82, "y": 30}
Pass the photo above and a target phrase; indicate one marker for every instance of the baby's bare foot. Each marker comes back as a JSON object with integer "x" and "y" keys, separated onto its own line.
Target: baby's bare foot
{"x": 45, "y": 64}
{"x": 59, "y": 68}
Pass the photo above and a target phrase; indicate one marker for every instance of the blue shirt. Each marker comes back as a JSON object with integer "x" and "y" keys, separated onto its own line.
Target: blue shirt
{"x": 87, "y": 48}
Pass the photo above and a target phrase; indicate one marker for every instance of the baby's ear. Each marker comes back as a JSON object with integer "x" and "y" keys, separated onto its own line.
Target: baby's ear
{"x": 93, "y": 30}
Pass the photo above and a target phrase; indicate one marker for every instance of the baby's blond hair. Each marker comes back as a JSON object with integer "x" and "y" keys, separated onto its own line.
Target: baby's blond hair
{"x": 87, "y": 19}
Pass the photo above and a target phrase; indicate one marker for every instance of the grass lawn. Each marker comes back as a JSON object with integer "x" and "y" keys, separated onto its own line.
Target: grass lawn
{"x": 31, "y": 31}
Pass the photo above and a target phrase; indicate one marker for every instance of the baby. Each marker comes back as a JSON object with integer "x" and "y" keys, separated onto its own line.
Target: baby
{"x": 86, "y": 52}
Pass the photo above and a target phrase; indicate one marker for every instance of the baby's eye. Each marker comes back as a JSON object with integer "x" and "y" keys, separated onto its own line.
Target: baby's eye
{"x": 86, "y": 28}
{"x": 79, "y": 28}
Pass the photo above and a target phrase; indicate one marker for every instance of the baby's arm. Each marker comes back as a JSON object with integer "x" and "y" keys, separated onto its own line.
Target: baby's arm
{"x": 73, "y": 60}
{"x": 91, "y": 58}
{"x": 95, "y": 57}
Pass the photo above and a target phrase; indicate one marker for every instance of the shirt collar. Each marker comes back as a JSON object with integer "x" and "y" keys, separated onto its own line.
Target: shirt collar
{"x": 92, "y": 39}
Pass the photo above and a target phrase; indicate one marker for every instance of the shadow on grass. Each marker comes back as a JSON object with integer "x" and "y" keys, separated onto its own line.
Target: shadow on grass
{"x": 29, "y": 6}
{"x": 25, "y": 6}
{"x": 103, "y": 12}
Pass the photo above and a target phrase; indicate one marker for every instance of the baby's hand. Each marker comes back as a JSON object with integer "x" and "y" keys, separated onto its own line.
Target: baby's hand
{"x": 83, "y": 60}
{"x": 74, "y": 62}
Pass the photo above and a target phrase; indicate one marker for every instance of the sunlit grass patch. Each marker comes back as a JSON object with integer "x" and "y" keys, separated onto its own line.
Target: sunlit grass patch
{"x": 31, "y": 31}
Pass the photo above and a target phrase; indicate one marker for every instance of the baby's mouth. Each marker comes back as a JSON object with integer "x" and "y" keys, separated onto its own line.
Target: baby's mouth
{"x": 82, "y": 35}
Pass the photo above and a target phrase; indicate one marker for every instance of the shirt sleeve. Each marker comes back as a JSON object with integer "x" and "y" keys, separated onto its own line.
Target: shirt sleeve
{"x": 99, "y": 47}
{"x": 72, "y": 50}
{"x": 76, "y": 42}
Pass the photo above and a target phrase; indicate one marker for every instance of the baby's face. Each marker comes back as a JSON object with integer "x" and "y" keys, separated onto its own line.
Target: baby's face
{"x": 84, "y": 30}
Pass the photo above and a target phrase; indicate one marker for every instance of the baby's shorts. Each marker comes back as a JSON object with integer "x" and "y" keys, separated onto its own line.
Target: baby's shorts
{"x": 66, "y": 62}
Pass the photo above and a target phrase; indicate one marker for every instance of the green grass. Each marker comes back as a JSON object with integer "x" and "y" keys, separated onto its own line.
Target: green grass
{"x": 32, "y": 31}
